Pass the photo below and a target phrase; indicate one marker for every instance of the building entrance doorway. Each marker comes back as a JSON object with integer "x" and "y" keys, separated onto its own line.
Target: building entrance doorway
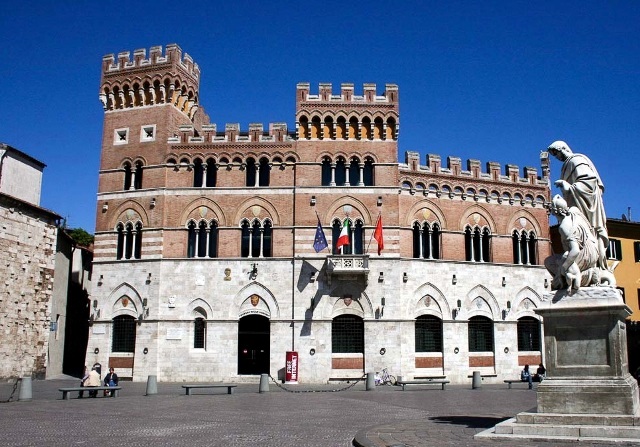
{"x": 253, "y": 345}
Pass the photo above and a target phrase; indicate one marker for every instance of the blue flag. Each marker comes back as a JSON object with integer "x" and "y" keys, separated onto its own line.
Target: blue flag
{"x": 320, "y": 241}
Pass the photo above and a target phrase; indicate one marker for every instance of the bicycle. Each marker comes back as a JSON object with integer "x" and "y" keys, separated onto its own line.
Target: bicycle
{"x": 385, "y": 378}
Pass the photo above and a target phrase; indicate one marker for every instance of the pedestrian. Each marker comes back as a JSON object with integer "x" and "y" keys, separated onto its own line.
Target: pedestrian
{"x": 525, "y": 376}
{"x": 111, "y": 379}
{"x": 541, "y": 373}
{"x": 85, "y": 376}
{"x": 93, "y": 380}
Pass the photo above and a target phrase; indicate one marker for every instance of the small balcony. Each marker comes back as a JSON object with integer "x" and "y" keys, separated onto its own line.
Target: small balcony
{"x": 348, "y": 268}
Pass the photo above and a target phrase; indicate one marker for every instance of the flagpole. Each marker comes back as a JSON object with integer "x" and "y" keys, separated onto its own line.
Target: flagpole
{"x": 373, "y": 232}
{"x": 323, "y": 232}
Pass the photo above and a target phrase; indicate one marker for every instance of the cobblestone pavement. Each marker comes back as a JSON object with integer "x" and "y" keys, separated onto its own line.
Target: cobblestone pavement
{"x": 385, "y": 417}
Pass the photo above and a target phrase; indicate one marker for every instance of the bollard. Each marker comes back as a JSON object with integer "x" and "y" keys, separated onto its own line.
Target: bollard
{"x": 476, "y": 381}
{"x": 25, "y": 390}
{"x": 152, "y": 385}
{"x": 264, "y": 383}
{"x": 371, "y": 381}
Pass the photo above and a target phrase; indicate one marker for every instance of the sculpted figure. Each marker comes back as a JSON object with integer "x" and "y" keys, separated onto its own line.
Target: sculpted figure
{"x": 582, "y": 188}
{"x": 577, "y": 265}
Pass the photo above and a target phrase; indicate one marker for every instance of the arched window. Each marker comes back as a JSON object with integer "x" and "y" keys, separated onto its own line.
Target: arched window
{"x": 211, "y": 173}
{"x": 120, "y": 241}
{"x": 378, "y": 131}
{"x": 340, "y": 172}
{"x": 129, "y": 240}
{"x": 347, "y": 334}
{"x": 250, "y": 175}
{"x": 367, "y": 174}
{"x": 426, "y": 241}
{"x": 356, "y": 237}
{"x": 199, "y": 333}
{"x": 428, "y": 329}
{"x": 264, "y": 172}
{"x": 303, "y": 128}
{"x": 528, "y": 334}
{"x": 354, "y": 172}
{"x": 477, "y": 244}
{"x": 202, "y": 239}
{"x": 480, "y": 334}
{"x": 137, "y": 181}
{"x": 198, "y": 173}
{"x": 123, "y": 334}
{"x": 256, "y": 239}
{"x": 127, "y": 177}
{"x": 525, "y": 245}
{"x": 326, "y": 171}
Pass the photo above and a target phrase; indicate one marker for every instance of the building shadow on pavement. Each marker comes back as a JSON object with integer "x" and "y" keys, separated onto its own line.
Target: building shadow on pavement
{"x": 469, "y": 421}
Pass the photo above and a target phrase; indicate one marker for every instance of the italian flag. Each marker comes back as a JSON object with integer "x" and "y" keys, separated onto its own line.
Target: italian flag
{"x": 344, "y": 235}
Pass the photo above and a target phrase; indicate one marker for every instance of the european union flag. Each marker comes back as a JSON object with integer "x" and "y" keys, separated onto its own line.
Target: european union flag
{"x": 320, "y": 241}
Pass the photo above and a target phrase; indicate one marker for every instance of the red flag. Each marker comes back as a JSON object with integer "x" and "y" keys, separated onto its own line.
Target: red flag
{"x": 377, "y": 235}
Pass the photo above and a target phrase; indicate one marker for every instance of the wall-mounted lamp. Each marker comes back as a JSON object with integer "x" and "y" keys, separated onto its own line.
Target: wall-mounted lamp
{"x": 381, "y": 277}
{"x": 144, "y": 302}
{"x": 312, "y": 276}
{"x": 254, "y": 271}
{"x": 546, "y": 283}
{"x": 95, "y": 304}
{"x": 100, "y": 280}
{"x": 96, "y": 351}
{"x": 405, "y": 278}
{"x": 379, "y": 202}
{"x": 313, "y": 201}
{"x": 454, "y": 280}
{"x": 504, "y": 281}
{"x": 148, "y": 281}
{"x": 152, "y": 204}
{"x": 105, "y": 207}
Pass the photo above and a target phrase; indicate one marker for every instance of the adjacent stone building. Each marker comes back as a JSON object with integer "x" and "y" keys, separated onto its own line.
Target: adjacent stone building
{"x": 205, "y": 266}
{"x": 43, "y": 304}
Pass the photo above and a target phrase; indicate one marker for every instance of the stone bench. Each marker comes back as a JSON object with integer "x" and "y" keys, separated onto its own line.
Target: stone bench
{"x": 404, "y": 383}
{"x": 189, "y": 387}
{"x": 67, "y": 391}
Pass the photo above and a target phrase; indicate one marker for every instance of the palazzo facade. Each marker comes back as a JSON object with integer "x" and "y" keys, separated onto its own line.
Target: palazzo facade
{"x": 204, "y": 262}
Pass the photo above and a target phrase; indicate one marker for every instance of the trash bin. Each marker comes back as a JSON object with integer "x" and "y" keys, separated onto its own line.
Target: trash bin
{"x": 476, "y": 381}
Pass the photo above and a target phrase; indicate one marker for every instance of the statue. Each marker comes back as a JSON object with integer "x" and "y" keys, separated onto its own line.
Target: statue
{"x": 577, "y": 265}
{"x": 582, "y": 187}
{"x": 582, "y": 224}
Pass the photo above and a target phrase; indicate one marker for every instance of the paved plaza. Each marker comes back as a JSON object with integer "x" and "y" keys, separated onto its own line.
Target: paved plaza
{"x": 387, "y": 416}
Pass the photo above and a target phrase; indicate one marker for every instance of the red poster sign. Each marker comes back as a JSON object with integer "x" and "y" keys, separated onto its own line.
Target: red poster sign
{"x": 291, "y": 371}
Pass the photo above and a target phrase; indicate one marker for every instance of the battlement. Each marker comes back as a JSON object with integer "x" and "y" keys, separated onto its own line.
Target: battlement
{"x": 473, "y": 169}
{"x": 347, "y": 94}
{"x": 173, "y": 56}
{"x": 233, "y": 134}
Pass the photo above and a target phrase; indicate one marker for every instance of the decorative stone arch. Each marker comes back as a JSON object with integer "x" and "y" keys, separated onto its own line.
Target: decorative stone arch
{"x": 126, "y": 160}
{"x": 125, "y": 300}
{"x": 480, "y": 301}
{"x": 417, "y": 212}
{"x": 358, "y": 209}
{"x": 198, "y": 308}
{"x": 257, "y": 208}
{"x": 428, "y": 300}
{"x": 524, "y": 303}
{"x": 484, "y": 220}
{"x": 203, "y": 208}
{"x": 243, "y": 302}
{"x": 129, "y": 211}
{"x": 171, "y": 156}
{"x": 515, "y": 223}
{"x": 140, "y": 159}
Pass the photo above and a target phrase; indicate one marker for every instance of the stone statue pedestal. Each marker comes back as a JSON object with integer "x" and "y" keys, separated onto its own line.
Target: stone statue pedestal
{"x": 588, "y": 393}
{"x": 586, "y": 353}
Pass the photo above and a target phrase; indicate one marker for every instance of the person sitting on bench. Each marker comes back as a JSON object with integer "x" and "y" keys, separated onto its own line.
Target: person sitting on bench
{"x": 525, "y": 376}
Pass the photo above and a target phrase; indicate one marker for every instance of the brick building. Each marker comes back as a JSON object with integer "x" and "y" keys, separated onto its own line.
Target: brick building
{"x": 204, "y": 261}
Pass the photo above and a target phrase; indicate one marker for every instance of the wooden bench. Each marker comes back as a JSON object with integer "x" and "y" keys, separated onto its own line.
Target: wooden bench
{"x": 404, "y": 383}
{"x": 208, "y": 385}
{"x": 86, "y": 389}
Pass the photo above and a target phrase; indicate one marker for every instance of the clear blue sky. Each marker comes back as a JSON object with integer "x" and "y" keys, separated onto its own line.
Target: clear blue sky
{"x": 494, "y": 81}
